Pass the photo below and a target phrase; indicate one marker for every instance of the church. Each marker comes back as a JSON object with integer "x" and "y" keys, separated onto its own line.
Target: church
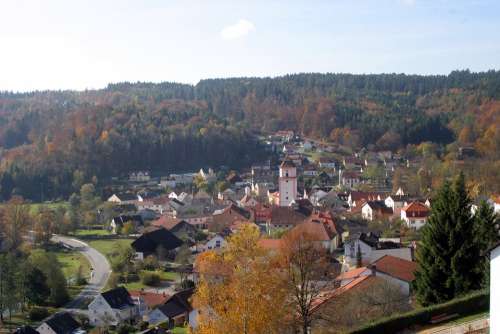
{"x": 287, "y": 182}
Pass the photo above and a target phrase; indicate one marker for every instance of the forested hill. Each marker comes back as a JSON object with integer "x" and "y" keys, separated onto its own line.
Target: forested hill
{"x": 47, "y": 138}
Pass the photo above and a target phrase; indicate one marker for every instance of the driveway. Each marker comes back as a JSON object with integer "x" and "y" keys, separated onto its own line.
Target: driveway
{"x": 101, "y": 272}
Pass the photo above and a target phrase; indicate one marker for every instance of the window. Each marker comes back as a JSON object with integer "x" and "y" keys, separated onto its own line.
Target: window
{"x": 286, "y": 174}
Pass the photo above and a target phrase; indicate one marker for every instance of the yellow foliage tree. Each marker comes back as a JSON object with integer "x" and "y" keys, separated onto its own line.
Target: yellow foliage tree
{"x": 241, "y": 289}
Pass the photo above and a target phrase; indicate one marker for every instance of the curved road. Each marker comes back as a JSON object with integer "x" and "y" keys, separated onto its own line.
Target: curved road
{"x": 101, "y": 272}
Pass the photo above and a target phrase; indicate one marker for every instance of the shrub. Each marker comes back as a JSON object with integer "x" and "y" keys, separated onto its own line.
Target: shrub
{"x": 151, "y": 279}
{"x": 125, "y": 329}
{"x": 151, "y": 263}
{"x": 38, "y": 313}
{"x": 470, "y": 304}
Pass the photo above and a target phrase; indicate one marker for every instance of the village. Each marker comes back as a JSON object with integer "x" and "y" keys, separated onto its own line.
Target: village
{"x": 347, "y": 204}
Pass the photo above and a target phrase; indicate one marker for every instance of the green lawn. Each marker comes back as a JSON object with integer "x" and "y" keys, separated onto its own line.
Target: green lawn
{"x": 70, "y": 262}
{"x": 108, "y": 247}
{"x": 35, "y": 207}
{"x": 91, "y": 233}
{"x": 179, "y": 330}
{"x": 164, "y": 276}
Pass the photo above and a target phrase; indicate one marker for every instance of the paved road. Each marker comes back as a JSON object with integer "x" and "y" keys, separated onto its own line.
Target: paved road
{"x": 101, "y": 272}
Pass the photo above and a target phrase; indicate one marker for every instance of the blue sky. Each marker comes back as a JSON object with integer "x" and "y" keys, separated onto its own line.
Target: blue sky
{"x": 63, "y": 44}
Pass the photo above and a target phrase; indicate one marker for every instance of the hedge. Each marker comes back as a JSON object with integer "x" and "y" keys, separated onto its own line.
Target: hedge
{"x": 473, "y": 303}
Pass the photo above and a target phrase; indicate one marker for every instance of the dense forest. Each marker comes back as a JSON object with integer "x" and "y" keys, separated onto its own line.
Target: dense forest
{"x": 52, "y": 141}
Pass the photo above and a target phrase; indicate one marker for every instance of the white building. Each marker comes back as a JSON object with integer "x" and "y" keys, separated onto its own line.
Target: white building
{"x": 287, "y": 183}
{"x": 60, "y": 323}
{"x": 415, "y": 214}
{"x": 495, "y": 289}
{"x": 216, "y": 242}
{"x": 112, "y": 308}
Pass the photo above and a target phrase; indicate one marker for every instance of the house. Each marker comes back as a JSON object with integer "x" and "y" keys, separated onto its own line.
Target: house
{"x": 352, "y": 162}
{"x": 286, "y": 217}
{"x": 495, "y": 201}
{"x": 112, "y": 308}
{"x": 124, "y": 198}
{"x": 415, "y": 214}
{"x": 207, "y": 176}
{"x": 310, "y": 170}
{"x": 326, "y": 163}
{"x": 373, "y": 210}
{"x": 349, "y": 179}
{"x": 25, "y": 330}
{"x": 60, "y": 323}
{"x": 141, "y": 176}
{"x": 176, "y": 311}
{"x": 149, "y": 243}
{"x": 357, "y": 197}
{"x": 316, "y": 196}
{"x": 248, "y": 201}
{"x": 224, "y": 218}
{"x": 147, "y": 214}
{"x": 118, "y": 222}
{"x": 396, "y": 201}
{"x": 323, "y": 229}
{"x": 216, "y": 242}
{"x": 495, "y": 289}
{"x": 273, "y": 245}
{"x": 180, "y": 228}
{"x": 397, "y": 271}
{"x": 307, "y": 145}
{"x": 146, "y": 301}
{"x": 372, "y": 248}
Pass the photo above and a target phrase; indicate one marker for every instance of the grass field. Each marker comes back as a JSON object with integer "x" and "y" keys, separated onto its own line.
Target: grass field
{"x": 91, "y": 233}
{"x": 179, "y": 330}
{"x": 35, "y": 207}
{"x": 70, "y": 262}
{"x": 164, "y": 276}
{"x": 108, "y": 247}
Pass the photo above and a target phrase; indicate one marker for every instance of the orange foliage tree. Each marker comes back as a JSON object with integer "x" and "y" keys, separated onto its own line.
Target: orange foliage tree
{"x": 241, "y": 289}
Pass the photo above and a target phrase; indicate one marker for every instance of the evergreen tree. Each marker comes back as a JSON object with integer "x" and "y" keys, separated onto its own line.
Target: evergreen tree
{"x": 359, "y": 258}
{"x": 433, "y": 256}
{"x": 466, "y": 273}
{"x": 448, "y": 254}
{"x": 486, "y": 236}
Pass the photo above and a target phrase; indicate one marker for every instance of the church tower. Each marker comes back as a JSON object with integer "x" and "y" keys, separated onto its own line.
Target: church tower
{"x": 287, "y": 182}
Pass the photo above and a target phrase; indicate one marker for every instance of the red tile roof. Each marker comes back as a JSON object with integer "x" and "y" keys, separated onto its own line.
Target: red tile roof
{"x": 270, "y": 244}
{"x": 166, "y": 222}
{"x": 396, "y": 267}
{"x": 351, "y": 274}
{"x": 416, "y": 209}
{"x": 151, "y": 299}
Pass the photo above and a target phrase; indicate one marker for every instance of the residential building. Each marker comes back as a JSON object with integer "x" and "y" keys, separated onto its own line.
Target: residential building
{"x": 149, "y": 243}
{"x": 60, "y": 323}
{"x": 415, "y": 214}
{"x": 112, "y": 308}
{"x": 176, "y": 311}
{"x": 374, "y": 210}
{"x": 216, "y": 242}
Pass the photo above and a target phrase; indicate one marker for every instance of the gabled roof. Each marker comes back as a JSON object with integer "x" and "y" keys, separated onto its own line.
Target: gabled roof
{"x": 118, "y": 298}
{"x": 126, "y": 197}
{"x": 120, "y": 220}
{"x": 416, "y": 209}
{"x": 151, "y": 299}
{"x": 283, "y": 215}
{"x": 398, "y": 268}
{"x": 62, "y": 323}
{"x": 25, "y": 330}
{"x": 287, "y": 163}
{"x": 149, "y": 242}
{"x": 178, "y": 304}
{"x": 354, "y": 273}
{"x": 270, "y": 244}
{"x": 379, "y": 206}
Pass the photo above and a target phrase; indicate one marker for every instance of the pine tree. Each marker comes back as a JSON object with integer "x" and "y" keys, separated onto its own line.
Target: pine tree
{"x": 359, "y": 258}
{"x": 448, "y": 255}
{"x": 431, "y": 279}
{"x": 466, "y": 256}
{"x": 486, "y": 235}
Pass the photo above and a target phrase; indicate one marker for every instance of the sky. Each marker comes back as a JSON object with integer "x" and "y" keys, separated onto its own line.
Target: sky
{"x": 86, "y": 44}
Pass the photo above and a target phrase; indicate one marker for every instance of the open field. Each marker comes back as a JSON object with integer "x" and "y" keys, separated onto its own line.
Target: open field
{"x": 83, "y": 233}
{"x": 70, "y": 263}
{"x": 108, "y": 247}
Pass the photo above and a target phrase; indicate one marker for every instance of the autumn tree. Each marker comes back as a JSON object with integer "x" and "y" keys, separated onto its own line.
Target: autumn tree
{"x": 304, "y": 263}
{"x": 15, "y": 223}
{"x": 240, "y": 289}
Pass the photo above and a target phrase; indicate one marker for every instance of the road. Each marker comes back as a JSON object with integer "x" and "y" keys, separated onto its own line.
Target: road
{"x": 101, "y": 272}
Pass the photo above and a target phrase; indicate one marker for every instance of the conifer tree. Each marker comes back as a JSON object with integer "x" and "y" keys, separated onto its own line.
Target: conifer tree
{"x": 448, "y": 255}
{"x": 359, "y": 258}
{"x": 486, "y": 236}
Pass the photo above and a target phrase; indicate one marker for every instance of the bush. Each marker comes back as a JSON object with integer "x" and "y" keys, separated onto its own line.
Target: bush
{"x": 38, "y": 313}
{"x": 470, "y": 304}
{"x": 125, "y": 329}
{"x": 151, "y": 263}
{"x": 151, "y": 279}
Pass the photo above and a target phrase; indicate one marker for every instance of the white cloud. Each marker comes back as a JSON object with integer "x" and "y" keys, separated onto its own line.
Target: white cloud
{"x": 238, "y": 30}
